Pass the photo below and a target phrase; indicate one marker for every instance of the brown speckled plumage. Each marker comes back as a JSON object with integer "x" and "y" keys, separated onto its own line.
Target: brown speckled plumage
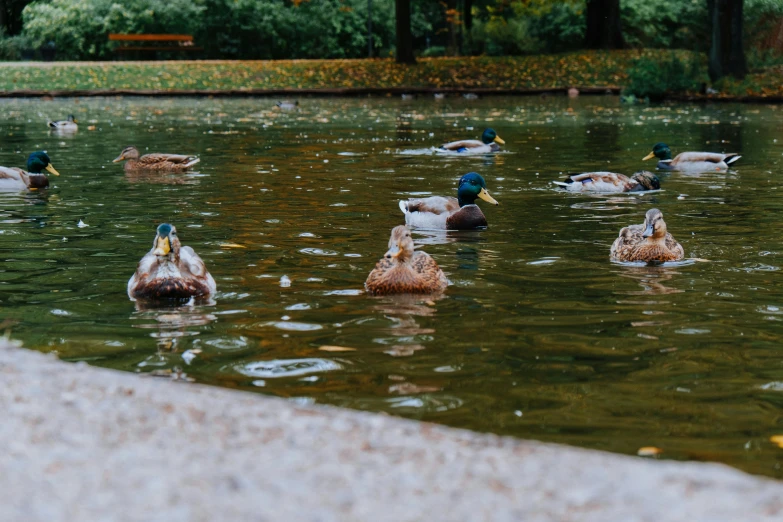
{"x": 170, "y": 271}
{"x": 155, "y": 161}
{"x": 649, "y": 242}
{"x": 403, "y": 271}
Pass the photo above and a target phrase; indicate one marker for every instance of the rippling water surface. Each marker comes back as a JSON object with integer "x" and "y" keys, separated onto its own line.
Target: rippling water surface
{"x": 539, "y": 335}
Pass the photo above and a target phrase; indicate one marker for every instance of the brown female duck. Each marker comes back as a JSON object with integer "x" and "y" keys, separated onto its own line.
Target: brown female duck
{"x": 404, "y": 271}
{"x": 649, "y": 242}
{"x": 155, "y": 161}
{"x": 170, "y": 270}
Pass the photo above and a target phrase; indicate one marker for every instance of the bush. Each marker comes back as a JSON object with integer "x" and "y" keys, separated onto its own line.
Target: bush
{"x": 528, "y": 27}
{"x": 79, "y": 28}
{"x": 435, "y": 50}
{"x": 247, "y": 29}
{"x": 665, "y": 24}
{"x": 655, "y": 79}
{"x": 14, "y": 47}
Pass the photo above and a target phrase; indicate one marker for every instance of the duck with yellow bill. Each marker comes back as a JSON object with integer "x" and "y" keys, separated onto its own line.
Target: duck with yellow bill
{"x": 13, "y": 178}
{"x": 170, "y": 270}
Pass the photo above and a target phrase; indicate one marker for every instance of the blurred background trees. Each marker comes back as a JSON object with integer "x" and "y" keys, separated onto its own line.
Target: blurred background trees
{"x": 280, "y": 29}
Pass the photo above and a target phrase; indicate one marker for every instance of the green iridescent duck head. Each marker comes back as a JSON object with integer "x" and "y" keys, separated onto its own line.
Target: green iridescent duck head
{"x": 472, "y": 186}
{"x": 39, "y": 161}
{"x": 660, "y": 151}
{"x": 490, "y": 136}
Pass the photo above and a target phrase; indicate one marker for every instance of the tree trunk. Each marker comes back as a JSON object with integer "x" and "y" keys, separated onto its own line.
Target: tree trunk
{"x": 604, "y": 28}
{"x": 467, "y": 7}
{"x": 727, "y": 55}
{"x": 404, "y": 36}
{"x": 3, "y": 18}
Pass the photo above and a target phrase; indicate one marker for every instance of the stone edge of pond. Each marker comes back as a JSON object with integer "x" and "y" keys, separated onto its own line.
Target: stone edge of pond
{"x": 85, "y": 443}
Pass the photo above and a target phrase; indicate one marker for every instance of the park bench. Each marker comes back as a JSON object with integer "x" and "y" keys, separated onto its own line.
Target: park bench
{"x": 138, "y": 43}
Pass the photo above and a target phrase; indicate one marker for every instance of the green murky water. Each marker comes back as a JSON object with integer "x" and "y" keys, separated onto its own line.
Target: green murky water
{"x": 539, "y": 336}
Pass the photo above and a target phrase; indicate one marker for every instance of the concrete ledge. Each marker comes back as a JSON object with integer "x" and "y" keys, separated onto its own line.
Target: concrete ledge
{"x": 82, "y": 443}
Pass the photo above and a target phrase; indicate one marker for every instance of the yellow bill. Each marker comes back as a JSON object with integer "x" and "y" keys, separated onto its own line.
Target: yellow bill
{"x": 486, "y": 197}
{"x": 649, "y": 156}
{"x": 118, "y": 159}
{"x": 51, "y": 170}
{"x": 498, "y": 140}
{"x": 163, "y": 247}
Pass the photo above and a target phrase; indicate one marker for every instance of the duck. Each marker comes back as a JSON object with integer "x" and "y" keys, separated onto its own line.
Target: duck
{"x": 405, "y": 271}
{"x": 610, "y": 182}
{"x": 170, "y": 270}
{"x": 490, "y": 142}
{"x": 155, "y": 161}
{"x": 450, "y": 213}
{"x": 695, "y": 161}
{"x": 12, "y": 178}
{"x": 71, "y": 124}
{"x": 286, "y": 105}
{"x": 648, "y": 242}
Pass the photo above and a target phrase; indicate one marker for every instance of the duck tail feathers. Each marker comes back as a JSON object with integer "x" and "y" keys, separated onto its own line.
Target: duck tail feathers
{"x": 404, "y": 206}
{"x": 192, "y": 162}
{"x": 561, "y": 183}
{"x": 732, "y": 159}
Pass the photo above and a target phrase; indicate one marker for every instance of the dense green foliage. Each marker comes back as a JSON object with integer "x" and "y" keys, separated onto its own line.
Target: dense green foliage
{"x": 279, "y": 29}
{"x": 258, "y": 29}
{"x": 655, "y": 78}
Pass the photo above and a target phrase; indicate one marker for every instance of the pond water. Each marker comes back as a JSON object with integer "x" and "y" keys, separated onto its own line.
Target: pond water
{"x": 539, "y": 335}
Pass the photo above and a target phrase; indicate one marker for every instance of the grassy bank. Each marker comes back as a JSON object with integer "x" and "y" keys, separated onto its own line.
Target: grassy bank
{"x": 584, "y": 69}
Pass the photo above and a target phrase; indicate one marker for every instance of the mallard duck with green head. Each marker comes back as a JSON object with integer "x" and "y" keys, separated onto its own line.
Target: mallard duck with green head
{"x": 694, "y": 161}
{"x": 170, "y": 270}
{"x": 450, "y": 213}
{"x": 68, "y": 125}
{"x": 490, "y": 142}
{"x": 649, "y": 242}
{"x": 402, "y": 270}
{"x": 155, "y": 161}
{"x": 610, "y": 182}
{"x": 12, "y": 178}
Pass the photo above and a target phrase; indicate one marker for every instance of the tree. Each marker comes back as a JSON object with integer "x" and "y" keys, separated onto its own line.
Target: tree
{"x": 604, "y": 30}
{"x": 727, "y": 56}
{"x": 404, "y": 35}
{"x": 11, "y": 15}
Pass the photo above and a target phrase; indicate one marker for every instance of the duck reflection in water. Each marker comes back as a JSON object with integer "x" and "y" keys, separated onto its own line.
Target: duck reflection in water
{"x": 405, "y": 333}
{"x": 651, "y": 278}
{"x": 172, "y": 323}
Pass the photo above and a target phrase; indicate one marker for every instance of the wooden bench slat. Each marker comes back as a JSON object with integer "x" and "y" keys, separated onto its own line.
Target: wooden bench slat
{"x": 151, "y": 37}
{"x": 152, "y": 48}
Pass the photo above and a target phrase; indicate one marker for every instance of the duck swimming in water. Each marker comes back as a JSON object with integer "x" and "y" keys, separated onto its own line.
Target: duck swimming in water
{"x": 155, "y": 161}
{"x": 12, "y": 178}
{"x": 450, "y": 213}
{"x": 405, "y": 271}
{"x": 70, "y": 124}
{"x": 649, "y": 242}
{"x": 490, "y": 142}
{"x": 610, "y": 182}
{"x": 693, "y": 161}
{"x": 170, "y": 270}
